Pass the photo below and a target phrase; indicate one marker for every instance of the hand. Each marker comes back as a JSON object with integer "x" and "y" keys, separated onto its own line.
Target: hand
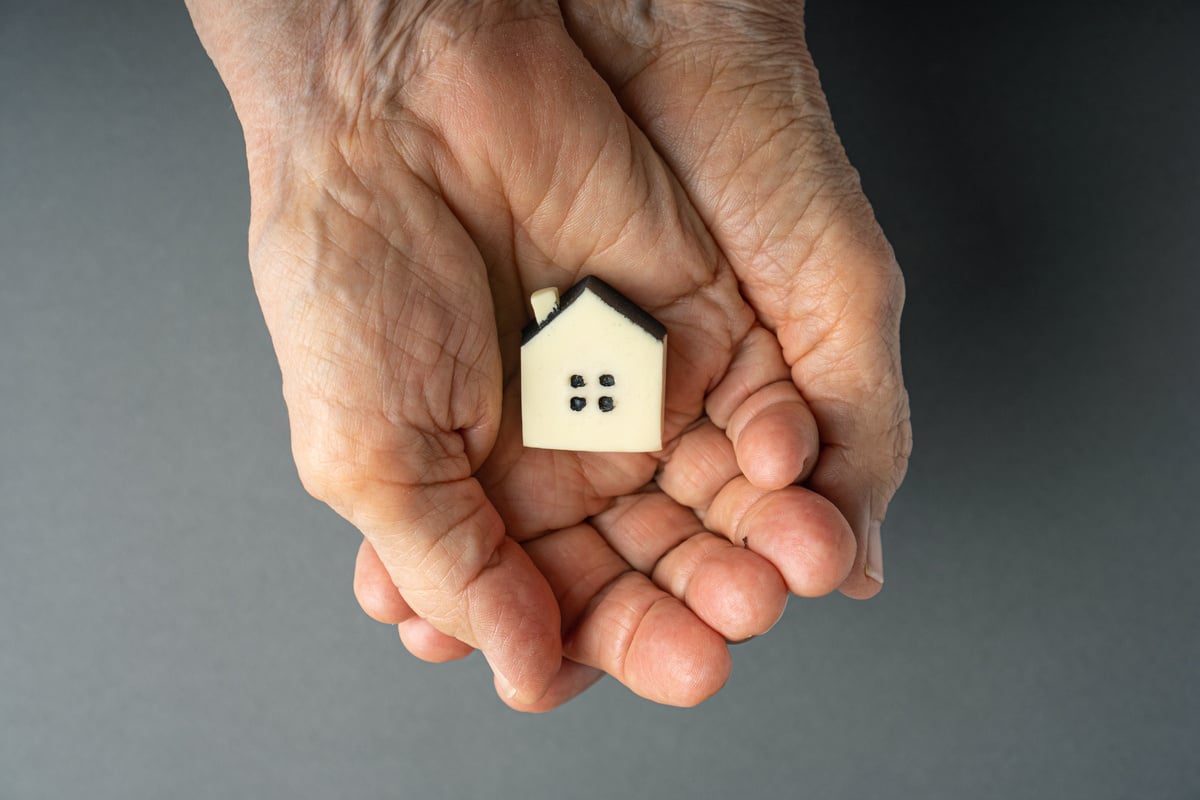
{"x": 730, "y": 98}
{"x": 412, "y": 175}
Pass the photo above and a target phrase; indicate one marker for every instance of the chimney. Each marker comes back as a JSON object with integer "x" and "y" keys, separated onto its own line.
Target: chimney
{"x": 544, "y": 302}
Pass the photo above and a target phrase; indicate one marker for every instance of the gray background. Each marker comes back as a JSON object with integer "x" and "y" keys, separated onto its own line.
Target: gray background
{"x": 176, "y": 618}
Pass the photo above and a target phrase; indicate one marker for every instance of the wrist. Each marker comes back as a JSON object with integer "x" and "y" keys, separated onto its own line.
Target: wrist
{"x": 305, "y": 74}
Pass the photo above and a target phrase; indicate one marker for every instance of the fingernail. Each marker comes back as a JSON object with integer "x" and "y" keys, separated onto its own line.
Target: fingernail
{"x": 503, "y": 684}
{"x": 505, "y": 687}
{"x": 874, "y": 567}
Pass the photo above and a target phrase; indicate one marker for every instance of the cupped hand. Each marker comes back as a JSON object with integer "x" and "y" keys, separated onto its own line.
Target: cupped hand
{"x": 729, "y": 96}
{"x": 414, "y": 175}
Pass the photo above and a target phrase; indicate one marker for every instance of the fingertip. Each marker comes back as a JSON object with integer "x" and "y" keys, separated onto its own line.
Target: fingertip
{"x": 377, "y": 595}
{"x": 429, "y": 644}
{"x": 804, "y": 536}
{"x": 517, "y": 624}
{"x": 860, "y": 587}
{"x": 738, "y": 593}
{"x": 776, "y": 448}
{"x": 775, "y": 436}
{"x": 462, "y": 573}
{"x": 679, "y": 661}
{"x": 571, "y": 681}
{"x": 650, "y": 641}
{"x": 866, "y": 578}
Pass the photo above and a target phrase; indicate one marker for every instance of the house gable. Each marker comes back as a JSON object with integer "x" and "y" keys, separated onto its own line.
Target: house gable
{"x": 611, "y": 297}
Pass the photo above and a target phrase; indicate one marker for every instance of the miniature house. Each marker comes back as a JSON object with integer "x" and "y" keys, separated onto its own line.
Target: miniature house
{"x": 592, "y": 372}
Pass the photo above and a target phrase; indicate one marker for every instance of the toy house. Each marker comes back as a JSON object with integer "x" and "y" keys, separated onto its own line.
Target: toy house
{"x": 593, "y": 366}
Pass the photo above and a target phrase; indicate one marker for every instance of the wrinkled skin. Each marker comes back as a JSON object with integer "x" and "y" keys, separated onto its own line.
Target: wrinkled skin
{"x": 417, "y": 169}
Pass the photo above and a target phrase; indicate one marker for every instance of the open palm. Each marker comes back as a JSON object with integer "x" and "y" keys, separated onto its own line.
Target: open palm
{"x": 441, "y": 166}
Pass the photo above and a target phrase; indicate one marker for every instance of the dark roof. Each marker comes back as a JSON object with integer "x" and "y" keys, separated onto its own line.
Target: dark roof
{"x": 617, "y": 301}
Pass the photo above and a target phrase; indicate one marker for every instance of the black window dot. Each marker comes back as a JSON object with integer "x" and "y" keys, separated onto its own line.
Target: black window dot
{"x": 606, "y": 403}
{"x": 577, "y": 403}
{"x": 576, "y": 381}
{"x": 607, "y": 380}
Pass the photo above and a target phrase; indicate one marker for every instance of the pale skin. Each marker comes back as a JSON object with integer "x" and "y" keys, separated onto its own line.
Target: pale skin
{"x": 417, "y": 169}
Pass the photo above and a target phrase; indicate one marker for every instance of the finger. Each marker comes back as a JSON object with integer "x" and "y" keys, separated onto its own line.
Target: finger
{"x": 857, "y": 396}
{"x": 799, "y": 531}
{"x": 617, "y": 621}
{"x": 429, "y": 644}
{"x": 572, "y": 680}
{"x": 861, "y": 479}
{"x": 735, "y": 592}
{"x": 772, "y": 430}
{"x": 844, "y": 484}
{"x": 699, "y": 465}
{"x": 445, "y": 546}
{"x": 376, "y": 593}
{"x": 749, "y": 120}
{"x": 863, "y": 412}
{"x": 652, "y": 643}
{"x": 382, "y": 601}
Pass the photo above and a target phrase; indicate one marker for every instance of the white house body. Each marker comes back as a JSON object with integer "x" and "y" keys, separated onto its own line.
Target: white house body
{"x": 592, "y": 374}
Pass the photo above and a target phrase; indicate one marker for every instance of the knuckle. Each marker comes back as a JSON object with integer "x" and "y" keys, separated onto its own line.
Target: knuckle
{"x": 341, "y": 451}
{"x": 347, "y": 451}
{"x": 328, "y": 465}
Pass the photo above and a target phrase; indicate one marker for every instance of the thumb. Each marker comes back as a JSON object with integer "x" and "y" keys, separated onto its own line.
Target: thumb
{"x": 406, "y": 481}
{"x": 854, "y": 386}
{"x": 391, "y": 373}
{"x": 444, "y": 546}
